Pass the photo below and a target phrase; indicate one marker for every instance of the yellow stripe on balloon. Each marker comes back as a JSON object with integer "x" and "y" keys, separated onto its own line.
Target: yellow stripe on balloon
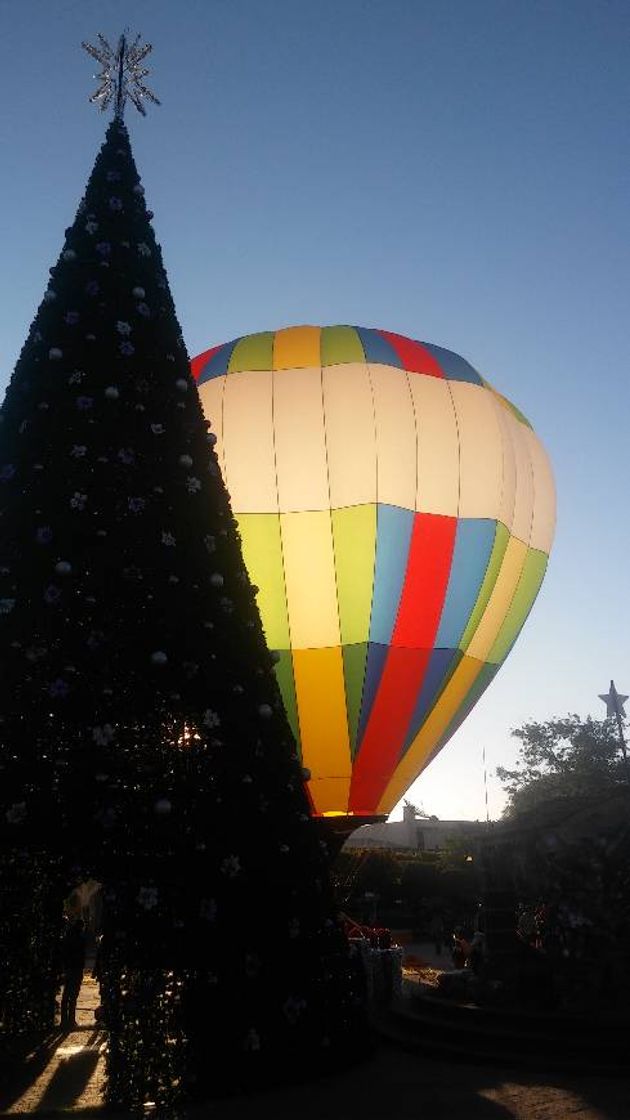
{"x": 528, "y": 587}
{"x": 500, "y": 600}
{"x": 325, "y": 746}
{"x": 434, "y": 726}
{"x": 297, "y": 347}
{"x": 309, "y": 568}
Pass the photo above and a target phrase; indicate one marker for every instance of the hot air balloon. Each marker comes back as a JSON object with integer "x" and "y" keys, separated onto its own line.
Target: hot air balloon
{"x": 396, "y": 513}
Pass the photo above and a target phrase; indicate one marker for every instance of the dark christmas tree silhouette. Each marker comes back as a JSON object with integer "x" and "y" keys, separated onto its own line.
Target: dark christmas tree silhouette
{"x": 142, "y": 736}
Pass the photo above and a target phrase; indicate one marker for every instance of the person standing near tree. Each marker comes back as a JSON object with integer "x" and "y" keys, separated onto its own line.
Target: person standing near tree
{"x": 73, "y": 962}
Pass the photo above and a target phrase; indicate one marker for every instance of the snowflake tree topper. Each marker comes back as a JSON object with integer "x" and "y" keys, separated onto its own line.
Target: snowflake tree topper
{"x": 122, "y": 74}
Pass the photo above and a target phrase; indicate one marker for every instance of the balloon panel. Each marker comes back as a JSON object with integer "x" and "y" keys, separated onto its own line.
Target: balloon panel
{"x": 397, "y": 514}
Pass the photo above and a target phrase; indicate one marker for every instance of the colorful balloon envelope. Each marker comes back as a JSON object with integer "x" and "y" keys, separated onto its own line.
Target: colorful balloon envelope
{"x": 396, "y": 513}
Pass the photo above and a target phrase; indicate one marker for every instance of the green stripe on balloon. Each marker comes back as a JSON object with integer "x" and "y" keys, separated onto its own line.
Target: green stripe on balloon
{"x": 253, "y": 352}
{"x": 340, "y": 344}
{"x": 526, "y": 591}
{"x": 286, "y": 681}
{"x": 354, "y": 540}
{"x": 262, "y": 553}
{"x": 354, "y": 664}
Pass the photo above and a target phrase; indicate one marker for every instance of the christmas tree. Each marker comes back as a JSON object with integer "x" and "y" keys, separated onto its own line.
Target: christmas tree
{"x": 143, "y": 740}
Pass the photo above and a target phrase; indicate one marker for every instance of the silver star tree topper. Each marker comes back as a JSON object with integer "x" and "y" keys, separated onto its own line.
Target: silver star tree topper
{"x": 122, "y": 74}
{"x": 614, "y": 702}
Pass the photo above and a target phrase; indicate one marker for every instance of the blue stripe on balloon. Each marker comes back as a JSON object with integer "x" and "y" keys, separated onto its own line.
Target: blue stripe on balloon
{"x": 376, "y": 658}
{"x": 441, "y": 664}
{"x": 393, "y": 535}
{"x": 474, "y": 541}
{"x": 218, "y": 364}
{"x": 455, "y": 367}
{"x": 378, "y": 349}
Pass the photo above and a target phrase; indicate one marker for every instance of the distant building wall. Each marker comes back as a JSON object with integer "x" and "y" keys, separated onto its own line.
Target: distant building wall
{"x": 418, "y": 834}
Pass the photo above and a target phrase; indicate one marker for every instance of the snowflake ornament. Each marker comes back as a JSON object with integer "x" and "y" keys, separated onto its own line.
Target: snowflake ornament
{"x": 211, "y": 719}
{"x": 147, "y": 897}
{"x": 231, "y": 867}
{"x": 252, "y": 1040}
{"x": 16, "y": 813}
{"x": 208, "y": 909}
{"x": 122, "y": 74}
{"x": 103, "y": 734}
{"x": 293, "y": 1008}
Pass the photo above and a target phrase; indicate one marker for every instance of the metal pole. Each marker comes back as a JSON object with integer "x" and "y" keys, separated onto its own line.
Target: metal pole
{"x": 622, "y": 740}
{"x": 120, "y": 103}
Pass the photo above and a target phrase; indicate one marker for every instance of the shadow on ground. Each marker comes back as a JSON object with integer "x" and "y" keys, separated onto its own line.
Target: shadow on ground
{"x": 65, "y": 1076}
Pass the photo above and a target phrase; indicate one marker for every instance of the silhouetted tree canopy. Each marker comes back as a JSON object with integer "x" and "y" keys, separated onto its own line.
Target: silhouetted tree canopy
{"x": 564, "y": 758}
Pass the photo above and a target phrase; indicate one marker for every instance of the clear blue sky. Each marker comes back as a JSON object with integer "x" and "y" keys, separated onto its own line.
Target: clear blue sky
{"x": 457, "y": 171}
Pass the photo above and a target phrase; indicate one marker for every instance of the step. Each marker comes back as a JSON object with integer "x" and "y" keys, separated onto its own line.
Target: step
{"x": 468, "y": 1031}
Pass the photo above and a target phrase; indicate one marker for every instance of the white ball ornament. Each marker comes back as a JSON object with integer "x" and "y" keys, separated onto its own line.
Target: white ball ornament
{"x": 112, "y": 393}
{"x": 159, "y": 657}
{"x": 139, "y": 293}
{"x": 63, "y": 568}
{"x": 265, "y": 711}
{"x": 185, "y": 461}
{"x": 181, "y": 384}
{"x": 216, "y": 579}
{"x": 55, "y": 354}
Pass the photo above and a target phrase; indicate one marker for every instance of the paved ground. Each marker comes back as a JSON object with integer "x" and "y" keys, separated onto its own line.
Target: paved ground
{"x": 66, "y": 1077}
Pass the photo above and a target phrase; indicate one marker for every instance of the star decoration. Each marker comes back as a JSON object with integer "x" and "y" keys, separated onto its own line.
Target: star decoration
{"x": 122, "y": 74}
{"x": 614, "y": 702}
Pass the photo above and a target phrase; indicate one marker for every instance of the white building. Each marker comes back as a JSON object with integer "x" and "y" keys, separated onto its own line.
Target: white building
{"x": 416, "y": 833}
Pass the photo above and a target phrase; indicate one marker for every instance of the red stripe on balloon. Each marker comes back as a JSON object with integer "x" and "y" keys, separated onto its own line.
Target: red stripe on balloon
{"x": 387, "y": 727}
{"x": 426, "y": 580}
{"x": 198, "y": 364}
{"x": 421, "y": 602}
{"x": 413, "y": 355}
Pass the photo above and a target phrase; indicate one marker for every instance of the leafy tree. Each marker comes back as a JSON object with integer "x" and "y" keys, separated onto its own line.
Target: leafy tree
{"x": 420, "y": 879}
{"x": 564, "y": 759}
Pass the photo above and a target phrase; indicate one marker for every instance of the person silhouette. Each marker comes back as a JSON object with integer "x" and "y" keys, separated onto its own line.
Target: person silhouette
{"x": 73, "y": 961}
